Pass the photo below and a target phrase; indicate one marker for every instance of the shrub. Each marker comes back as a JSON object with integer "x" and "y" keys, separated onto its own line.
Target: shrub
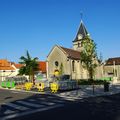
{"x": 90, "y": 82}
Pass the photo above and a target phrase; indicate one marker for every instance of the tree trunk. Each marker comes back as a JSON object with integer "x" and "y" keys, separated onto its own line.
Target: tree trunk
{"x": 29, "y": 78}
{"x": 91, "y": 78}
{"x": 33, "y": 78}
{"x": 91, "y": 73}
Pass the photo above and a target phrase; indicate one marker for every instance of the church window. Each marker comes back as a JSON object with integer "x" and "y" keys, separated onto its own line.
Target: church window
{"x": 56, "y": 63}
{"x": 78, "y": 44}
{"x": 73, "y": 65}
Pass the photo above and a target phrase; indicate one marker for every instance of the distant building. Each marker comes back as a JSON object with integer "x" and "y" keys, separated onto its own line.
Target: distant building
{"x": 6, "y": 69}
{"x": 16, "y": 66}
{"x": 41, "y": 73}
{"x": 112, "y": 68}
{"x": 69, "y": 59}
{"x": 42, "y": 67}
{"x": 10, "y": 69}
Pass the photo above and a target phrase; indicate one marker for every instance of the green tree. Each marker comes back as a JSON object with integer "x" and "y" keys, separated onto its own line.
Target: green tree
{"x": 89, "y": 56}
{"x": 30, "y": 65}
{"x": 61, "y": 69}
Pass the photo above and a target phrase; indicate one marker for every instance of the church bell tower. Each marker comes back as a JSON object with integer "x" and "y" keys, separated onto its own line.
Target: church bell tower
{"x": 81, "y": 34}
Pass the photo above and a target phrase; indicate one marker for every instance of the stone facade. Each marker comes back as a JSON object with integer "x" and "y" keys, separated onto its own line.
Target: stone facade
{"x": 57, "y": 55}
{"x": 70, "y": 59}
{"x": 71, "y": 66}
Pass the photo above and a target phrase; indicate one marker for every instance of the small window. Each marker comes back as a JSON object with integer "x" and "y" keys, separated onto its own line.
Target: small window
{"x": 110, "y": 73}
{"x": 79, "y": 44}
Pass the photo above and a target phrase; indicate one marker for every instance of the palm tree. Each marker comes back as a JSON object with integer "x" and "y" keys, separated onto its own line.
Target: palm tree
{"x": 30, "y": 66}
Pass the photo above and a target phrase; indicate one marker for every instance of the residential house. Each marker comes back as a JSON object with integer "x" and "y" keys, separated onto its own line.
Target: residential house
{"x": 6, "y": 69}
{"x": 42, "y": 67}
{"x": 11, "y": 69}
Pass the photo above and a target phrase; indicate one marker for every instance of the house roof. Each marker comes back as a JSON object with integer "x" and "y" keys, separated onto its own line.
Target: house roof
{"x": 112, "y": 61}
{"x": 5, "y": 65}
{"x": 82, "y": 30}
{"x": 73, "y": 54}
{"x": 42, "y": 66}
{"x": 18, "y": 66}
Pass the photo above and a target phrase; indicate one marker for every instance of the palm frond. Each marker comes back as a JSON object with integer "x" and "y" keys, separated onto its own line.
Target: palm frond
{"x": 28, "y": 55}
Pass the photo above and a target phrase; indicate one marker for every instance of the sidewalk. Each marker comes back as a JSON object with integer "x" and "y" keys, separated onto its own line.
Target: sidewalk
{"x": 84, "y": 91}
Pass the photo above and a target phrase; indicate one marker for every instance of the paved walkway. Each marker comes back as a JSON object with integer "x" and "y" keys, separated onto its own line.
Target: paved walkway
{"x": 87, "y": 91}
{"x": 84, "y": 91}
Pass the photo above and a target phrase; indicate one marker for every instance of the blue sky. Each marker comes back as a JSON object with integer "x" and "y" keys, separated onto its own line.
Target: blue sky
{"x": 38, "y": 25}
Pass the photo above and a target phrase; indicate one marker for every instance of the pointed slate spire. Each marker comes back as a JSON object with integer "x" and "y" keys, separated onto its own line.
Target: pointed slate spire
{"x": 82, "y": 32}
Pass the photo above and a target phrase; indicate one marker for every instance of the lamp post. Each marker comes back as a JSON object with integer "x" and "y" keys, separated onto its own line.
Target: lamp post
{"x": 114, "y": 69}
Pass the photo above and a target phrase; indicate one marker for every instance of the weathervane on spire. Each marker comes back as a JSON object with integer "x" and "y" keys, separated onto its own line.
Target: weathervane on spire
{"x": 81, "y": 14}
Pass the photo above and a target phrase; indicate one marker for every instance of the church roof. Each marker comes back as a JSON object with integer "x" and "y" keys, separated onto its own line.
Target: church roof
{"x": 82, "y": 30}
{"x": 112, "y": 61}
{"x": 73, "y": 54}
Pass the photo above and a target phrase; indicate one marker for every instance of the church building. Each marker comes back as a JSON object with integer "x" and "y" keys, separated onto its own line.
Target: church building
{"x": 67, "y": 61}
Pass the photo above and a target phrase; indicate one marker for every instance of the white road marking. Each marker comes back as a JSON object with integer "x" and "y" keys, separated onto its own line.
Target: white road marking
{"x": 41, "y": 98}
{"x": 58, "y": 101}
{"x": 16, "y": 106}
{"x": 30, "y": 104}
{"x": 9, "y": 112}
{"x": 32, "y": 100}
{"x": 29, "y": 112}
{"x": 52, "y": 100}
{"x": 47, "y": 103}
{"x": 70, "y": 98}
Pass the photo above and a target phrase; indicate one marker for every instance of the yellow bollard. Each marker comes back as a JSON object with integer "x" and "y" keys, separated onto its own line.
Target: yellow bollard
{"x": 40, "y": 87}
{"x": 54, "y": 87}
{"x": 28, "y": 86}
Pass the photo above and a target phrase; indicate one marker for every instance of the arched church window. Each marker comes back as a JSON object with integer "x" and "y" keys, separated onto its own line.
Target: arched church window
{"x": 73, "y": 65}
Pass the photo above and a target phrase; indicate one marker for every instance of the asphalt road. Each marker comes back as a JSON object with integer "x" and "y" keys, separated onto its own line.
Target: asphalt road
{"x": 11, "y": 95}
{"x": 97, "y": 108}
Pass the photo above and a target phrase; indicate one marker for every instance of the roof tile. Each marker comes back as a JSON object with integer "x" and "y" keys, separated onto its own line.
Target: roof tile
{"x": 111, "y": 61}
{"x": 5, "y": 65}
{"x": 42, "y": 66}
{"x": 73, "y": 54}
